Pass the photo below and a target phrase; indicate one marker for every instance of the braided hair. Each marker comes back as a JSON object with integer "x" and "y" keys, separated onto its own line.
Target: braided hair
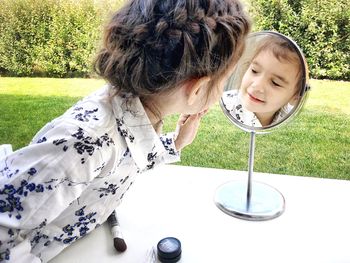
{"x": 151, "y": 46}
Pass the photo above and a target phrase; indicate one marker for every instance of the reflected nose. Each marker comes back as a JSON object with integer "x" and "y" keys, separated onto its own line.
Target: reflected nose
{"x": 259, "y": 85}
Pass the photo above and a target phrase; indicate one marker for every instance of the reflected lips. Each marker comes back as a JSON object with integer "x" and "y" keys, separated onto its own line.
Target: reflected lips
{"x": 255, "y": 99}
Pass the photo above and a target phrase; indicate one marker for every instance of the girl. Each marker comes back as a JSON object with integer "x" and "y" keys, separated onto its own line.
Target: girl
{"x": 159, "y": 57}
{"x": 270, "y": 86}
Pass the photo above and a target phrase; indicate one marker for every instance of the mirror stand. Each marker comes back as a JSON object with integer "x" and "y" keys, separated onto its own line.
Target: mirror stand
{"x": 250, "y": 200}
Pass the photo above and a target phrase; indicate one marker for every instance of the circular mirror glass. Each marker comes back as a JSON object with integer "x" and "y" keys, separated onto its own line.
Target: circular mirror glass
{"x": 269, "y": 83}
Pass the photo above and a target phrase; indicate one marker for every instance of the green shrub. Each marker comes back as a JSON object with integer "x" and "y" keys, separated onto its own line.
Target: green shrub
{"x": 320, "y": 27}
{"x": 58, "y": 38}
{"x": 50, "y": 37}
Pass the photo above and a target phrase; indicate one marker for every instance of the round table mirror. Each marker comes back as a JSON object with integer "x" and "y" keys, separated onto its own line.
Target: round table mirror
{"x": 266, "y": 90}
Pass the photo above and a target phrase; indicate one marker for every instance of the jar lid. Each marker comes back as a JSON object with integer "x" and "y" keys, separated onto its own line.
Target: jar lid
{"x": 169, "y": 250}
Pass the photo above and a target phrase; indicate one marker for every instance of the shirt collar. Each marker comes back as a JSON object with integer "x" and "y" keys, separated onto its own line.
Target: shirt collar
{"x": 134, "y": 125}
{"x": 234, "y": 106}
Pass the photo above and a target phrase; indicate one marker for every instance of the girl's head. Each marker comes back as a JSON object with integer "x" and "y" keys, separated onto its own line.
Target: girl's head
{"x": 153, "y": 46}
{"x": 273, "y": 79}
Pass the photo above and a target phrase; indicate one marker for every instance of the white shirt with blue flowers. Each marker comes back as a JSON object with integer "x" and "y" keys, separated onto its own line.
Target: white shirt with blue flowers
{"x": 74, "y": 173}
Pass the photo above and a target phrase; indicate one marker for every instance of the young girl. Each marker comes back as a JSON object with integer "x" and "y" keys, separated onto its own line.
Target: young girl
{"x": 159, "y": 57}
{"x": 271, "y": 85}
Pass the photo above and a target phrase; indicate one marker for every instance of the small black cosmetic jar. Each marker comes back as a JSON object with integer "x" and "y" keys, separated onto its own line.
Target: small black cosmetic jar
{"x": 169, "y": 250}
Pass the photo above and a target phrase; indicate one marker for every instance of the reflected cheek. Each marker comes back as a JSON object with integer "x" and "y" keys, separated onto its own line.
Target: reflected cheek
{"x": 247, "y": 77}
{"x": 246, "y": 83}
{"x": 245, "y": 88}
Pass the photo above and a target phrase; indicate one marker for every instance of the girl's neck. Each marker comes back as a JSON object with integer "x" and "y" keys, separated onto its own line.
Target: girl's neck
{"x": 265, "y": 119}
{"x": 155, "y": 114}
{"x": 162, "y": 105}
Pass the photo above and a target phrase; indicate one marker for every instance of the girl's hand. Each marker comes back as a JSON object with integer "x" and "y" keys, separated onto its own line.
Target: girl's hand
{"x": 186, "y": 129}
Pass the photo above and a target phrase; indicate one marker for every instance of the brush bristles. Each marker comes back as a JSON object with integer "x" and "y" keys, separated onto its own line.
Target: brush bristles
{"x": 119, "y": 244}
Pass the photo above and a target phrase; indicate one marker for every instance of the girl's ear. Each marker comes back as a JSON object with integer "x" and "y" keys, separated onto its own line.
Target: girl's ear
{"x": 195, "y": 88}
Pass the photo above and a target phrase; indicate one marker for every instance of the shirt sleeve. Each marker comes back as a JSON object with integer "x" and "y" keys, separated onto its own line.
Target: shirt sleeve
{"x": 39, "y": 181}
{"x": 172, "y": 154}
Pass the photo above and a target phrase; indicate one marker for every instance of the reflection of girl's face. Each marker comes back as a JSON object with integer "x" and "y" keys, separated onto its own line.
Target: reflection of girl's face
{"x": 268, "y": 84}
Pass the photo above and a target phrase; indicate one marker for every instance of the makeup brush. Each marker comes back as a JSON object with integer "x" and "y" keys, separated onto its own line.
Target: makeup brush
{"x": 118, "y": 239}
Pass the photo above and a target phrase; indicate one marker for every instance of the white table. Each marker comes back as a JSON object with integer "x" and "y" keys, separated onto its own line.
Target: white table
{"x": 178, "y": 201}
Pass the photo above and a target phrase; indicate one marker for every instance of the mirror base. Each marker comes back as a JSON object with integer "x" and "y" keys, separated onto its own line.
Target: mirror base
{"x": 265, "y": 203}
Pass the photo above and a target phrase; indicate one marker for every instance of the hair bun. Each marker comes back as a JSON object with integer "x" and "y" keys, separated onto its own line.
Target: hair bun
{"x": 154, "y": 45}
{"x": 139, "y": 33}
{"x": 161, "y": 26}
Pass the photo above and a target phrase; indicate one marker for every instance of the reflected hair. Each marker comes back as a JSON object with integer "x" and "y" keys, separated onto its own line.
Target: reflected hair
{"x": 152, "y": 46}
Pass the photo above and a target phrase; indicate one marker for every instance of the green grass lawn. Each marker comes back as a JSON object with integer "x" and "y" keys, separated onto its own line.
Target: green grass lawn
{"x": 316, "y": 143}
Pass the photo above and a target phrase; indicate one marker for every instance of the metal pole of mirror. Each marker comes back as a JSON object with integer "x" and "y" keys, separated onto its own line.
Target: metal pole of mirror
{"x": 250, "y": 168}
{"x": 249, "y": 200}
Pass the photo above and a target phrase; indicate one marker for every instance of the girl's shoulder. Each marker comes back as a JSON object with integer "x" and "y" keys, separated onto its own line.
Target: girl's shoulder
{"x": 93, "y": 111}
{"x": 229, "y": 99}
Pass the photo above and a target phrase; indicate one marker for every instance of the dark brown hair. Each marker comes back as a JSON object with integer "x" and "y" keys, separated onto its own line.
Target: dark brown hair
{"x": 151, "y": 46}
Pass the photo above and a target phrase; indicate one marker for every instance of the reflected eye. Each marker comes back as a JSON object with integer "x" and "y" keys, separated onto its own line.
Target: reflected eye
{"x": 276, "y": 84}
{"x": 254, "y": 71}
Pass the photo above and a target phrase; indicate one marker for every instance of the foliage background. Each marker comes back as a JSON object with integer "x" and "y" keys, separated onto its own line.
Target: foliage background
{"x": 52, "y": 38}
{"x": 58, "y": 38}
{"x": 320, "y": 27}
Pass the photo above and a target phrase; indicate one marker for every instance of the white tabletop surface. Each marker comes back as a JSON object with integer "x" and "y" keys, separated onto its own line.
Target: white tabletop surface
{"x": 178, "y": 201}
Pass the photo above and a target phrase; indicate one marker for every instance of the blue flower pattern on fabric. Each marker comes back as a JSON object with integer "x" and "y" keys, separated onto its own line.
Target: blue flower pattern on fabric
{"x": 168, "y": 142}
{"x": 123, "y": 130}
{"x": 38, "y": 237}
{"x": 82, "y": 224}
{"x": 7, "y": 171}
{"x": 112, "y": 171}
{"x": 109, "y": 189}
{"x": 5, "y": 255}
{"x": 41, "y": 140}
{"x": 85, "y": 144}
{"x": 85, "y": 115}
{"x": 11, "y": 195}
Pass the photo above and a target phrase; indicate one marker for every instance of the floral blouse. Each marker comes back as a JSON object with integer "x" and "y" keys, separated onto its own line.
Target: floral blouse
{"x": 74, "y": 173}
